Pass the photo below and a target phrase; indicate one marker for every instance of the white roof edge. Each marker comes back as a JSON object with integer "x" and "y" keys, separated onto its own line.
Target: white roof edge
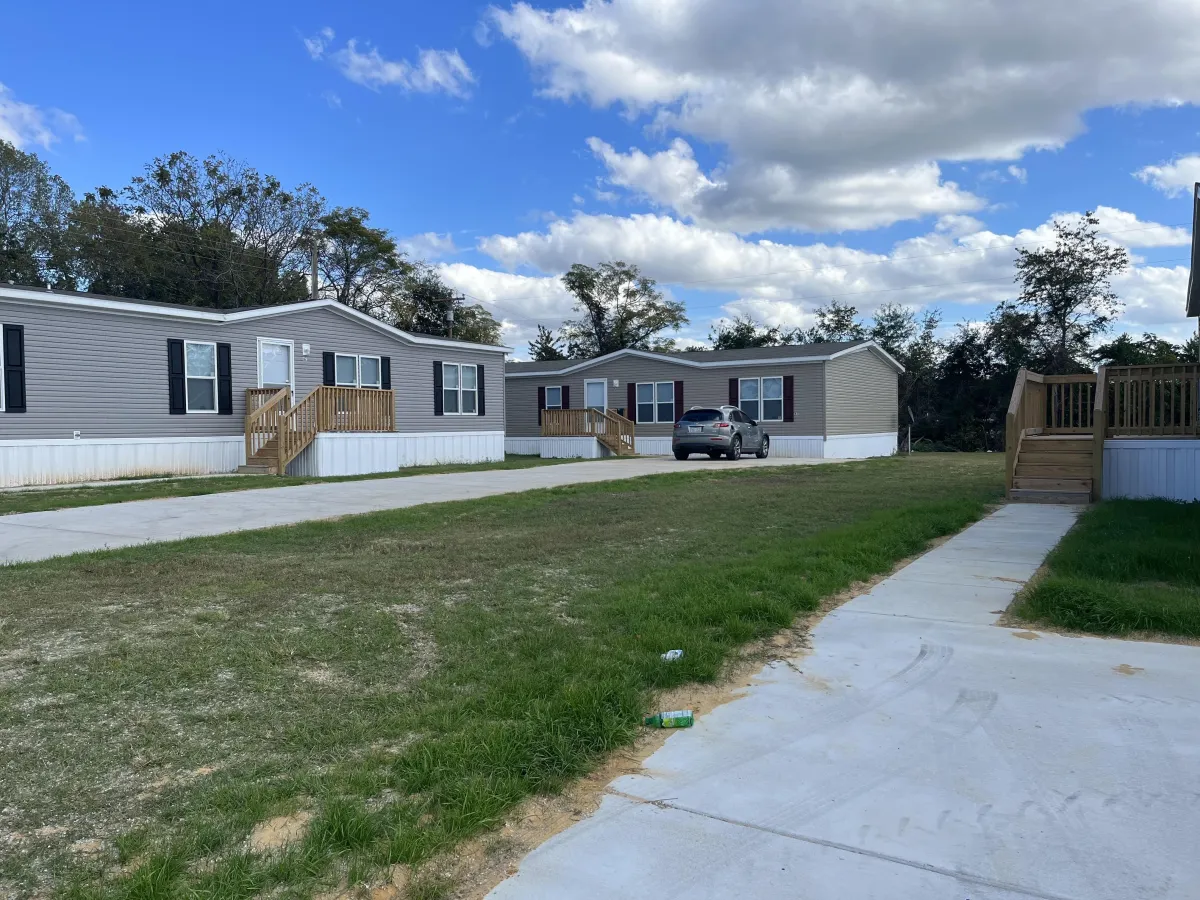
{"x": 203, "y": 315}
{"x": 697, "y": 364}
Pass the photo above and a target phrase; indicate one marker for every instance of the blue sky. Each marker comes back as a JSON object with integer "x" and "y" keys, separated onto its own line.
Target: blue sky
{"x": 758, "y": 158}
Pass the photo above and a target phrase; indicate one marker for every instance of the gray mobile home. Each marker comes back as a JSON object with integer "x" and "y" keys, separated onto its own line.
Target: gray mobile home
{"x": 832, "y": 400}
{"x": 98, "y": 387}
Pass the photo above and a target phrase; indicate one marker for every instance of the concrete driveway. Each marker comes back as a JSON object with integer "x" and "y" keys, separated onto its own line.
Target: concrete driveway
{"x": 917, "y": 753}
{"x": 41, "y": 535}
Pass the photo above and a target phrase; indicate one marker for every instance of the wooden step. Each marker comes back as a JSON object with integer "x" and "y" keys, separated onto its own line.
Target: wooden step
{"x": 1025, "y": 470}
{"x": 1055, "y": 459}
{"x": 1070, "y": 497}
{"x": 1053, "y": 484}
{"x": 1056, "y": 444}
{"x": 256, "y": 470}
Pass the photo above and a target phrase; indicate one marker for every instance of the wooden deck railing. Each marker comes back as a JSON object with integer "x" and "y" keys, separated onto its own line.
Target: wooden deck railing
{"x": 264, "y": 408}
{"x": 1153, "y": 401}
{"x": 1069, "y": 403}
{"x": 1026, "y": 415}
{"x": 610, "y": 427}
{"x": 334, "y": 409}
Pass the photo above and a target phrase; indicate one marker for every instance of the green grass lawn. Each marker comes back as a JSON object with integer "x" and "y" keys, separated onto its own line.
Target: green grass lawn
{"x": 1128, "y": 566}
{"x": 122, "y": 492}
{"x": 409, "y": 676}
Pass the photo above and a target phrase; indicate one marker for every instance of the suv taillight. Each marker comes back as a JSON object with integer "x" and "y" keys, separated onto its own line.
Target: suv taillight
{"x": 721, "y": 425}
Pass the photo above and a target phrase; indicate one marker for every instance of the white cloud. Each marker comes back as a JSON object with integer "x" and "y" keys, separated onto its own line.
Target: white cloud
{"x": 812, "y": 97}
{"x": 1173, "y": 178}
{"x": 1018, "y": 174}
{"x": 25, "y": 125}
{"x": 429, "y": 245}
{"x": 434, "y": 71}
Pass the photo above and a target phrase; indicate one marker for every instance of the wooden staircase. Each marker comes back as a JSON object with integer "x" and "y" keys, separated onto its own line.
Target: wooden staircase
{"x": 1054, "y": 468}
{"x": 265, "y": 460}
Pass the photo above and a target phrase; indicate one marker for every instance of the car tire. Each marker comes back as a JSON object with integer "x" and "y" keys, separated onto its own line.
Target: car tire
{"x": 735, "y": 448}
{"x": 681, "y": 455}
{"x": 765, "y": 448}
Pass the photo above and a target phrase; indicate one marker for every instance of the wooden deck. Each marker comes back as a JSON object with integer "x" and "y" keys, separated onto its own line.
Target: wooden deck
{"x": 607, "y": 426}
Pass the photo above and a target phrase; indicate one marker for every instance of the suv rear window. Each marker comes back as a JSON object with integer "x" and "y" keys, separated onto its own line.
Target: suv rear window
{"x": 702, "y": 415}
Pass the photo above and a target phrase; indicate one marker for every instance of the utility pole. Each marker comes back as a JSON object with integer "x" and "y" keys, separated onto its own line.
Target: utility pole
{"x": 450, "y": 318}
{"x": 313, "y": 288}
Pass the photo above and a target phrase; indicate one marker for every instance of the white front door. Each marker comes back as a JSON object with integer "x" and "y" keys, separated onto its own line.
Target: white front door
{"x": 275, "y": 365}
{"x": 595, "y": 394}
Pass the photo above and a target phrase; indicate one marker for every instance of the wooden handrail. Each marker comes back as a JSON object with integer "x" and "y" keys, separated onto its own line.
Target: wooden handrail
{"x": 608, "y": 426}
{"x": 1153, "y": 401}
{"x": 328, "y": 408}
{"x": 264, "y": 406}
{"x": 1099, "y": 426}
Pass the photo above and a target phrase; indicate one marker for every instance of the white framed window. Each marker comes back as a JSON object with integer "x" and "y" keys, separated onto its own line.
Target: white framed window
{"x": 595, "y": 394}
{"x": 345, "y": 370}
{"x": 276, "y": 363}
{"x": 655, "y": 402}
{"x": 554, "y": 398}
{"x": 762, "y": 398}
{"x": 460, "y": 389}
{"x": 370, "y": 372}
{"x": 200, "y": 372}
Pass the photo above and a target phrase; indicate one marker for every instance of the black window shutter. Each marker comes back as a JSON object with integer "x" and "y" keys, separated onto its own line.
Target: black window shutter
{"x": 566, "y": 396}
{"x": 733, "y": 392}
{"x": 789, "y": 398}
{"x": 328, "y": 369}
{"x": 438, "y": 409}
{"x": 224, "y": 380}
{"x": 176, "y": 378}
{"x": 541, "y": 402}
{"x": 631, "y": 401}
{"x": 480, "y": 408}
{"x": 14, "y": 368}
{"x": 385, "y": 372}
{"x": 678, "y": 400}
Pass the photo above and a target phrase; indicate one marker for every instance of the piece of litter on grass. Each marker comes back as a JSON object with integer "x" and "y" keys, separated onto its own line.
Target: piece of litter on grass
{"x": 672, "y": 655}
{"x": 679, "y": 718}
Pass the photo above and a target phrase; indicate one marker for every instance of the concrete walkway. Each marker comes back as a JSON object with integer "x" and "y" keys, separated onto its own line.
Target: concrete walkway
{"x": 918, "y": 753}
{"x": 32, "y": 536}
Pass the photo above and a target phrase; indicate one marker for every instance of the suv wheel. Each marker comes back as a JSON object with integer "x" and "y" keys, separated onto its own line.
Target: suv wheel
{"x": 765, "y": 448}
{"x": 735, "y": 448}
{"x": 681, "y": 454}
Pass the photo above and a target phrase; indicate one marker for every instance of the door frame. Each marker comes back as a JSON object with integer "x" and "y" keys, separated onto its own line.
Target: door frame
{"x": 603, "y": 382}
{"x": 291, "y": 345}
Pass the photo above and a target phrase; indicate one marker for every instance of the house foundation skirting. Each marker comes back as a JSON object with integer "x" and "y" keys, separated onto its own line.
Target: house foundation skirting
{"x": 29, "y": 462}
{"x": 1154, "y": 468}
{"x": 842, "y": 446}
{"x": 362, "y": 453}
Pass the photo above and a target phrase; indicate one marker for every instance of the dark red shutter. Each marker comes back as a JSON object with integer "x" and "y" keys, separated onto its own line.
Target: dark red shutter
{"x": 733, "y": 392}
{"x": 566, "y": 396}
{"x": 480, "y": 407}
{"x": 438, "y": 409}
{"x": 176, "y": 378}
{"x": 789, "y": 398}
{"x": 631, "y": 399}
{"x": 678, "y": 400}
{"x": 541, "y": 402}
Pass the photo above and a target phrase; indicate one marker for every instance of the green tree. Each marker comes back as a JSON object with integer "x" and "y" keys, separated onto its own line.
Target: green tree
{"x": 1149, "y": 350}
{"x": 546, "y": 347}
{"x": 619, "y": 308}
{"x": 836, "y": 322}
{"x": 35, "y": 205}
{"x": 1067, "y": 289}
{"x": 360, "y": 266}
{"x": 744, "y": 332}
{"x": 427, "y": 305}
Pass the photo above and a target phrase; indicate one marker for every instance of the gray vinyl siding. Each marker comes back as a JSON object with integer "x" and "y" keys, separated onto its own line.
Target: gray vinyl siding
{"x": 861, "y": 394}
{"x": 701, "y": 387}
{"x": 104, "y": 373}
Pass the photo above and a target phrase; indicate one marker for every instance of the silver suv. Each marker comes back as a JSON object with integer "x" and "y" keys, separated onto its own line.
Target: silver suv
{"x": 718, "y": 431}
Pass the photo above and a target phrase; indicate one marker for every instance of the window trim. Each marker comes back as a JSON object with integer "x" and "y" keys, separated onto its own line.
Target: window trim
{"x": 460, "y": 389}
{"x": 291, "y": 345}
{"x": 378, "y": 386}
{"x": 350, "y": 384}
{"x": 654, "y": 401}
{"x": 761, "y": 399}
{"x": 187, "y": 396}
{"x": 554, "y": 387}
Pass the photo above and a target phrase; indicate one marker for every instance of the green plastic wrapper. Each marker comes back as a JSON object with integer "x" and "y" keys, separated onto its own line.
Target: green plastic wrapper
{"x": 679, "y": 718}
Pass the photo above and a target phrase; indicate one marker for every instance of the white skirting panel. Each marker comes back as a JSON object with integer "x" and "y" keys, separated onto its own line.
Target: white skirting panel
{"x": 1167, "y": 469}
{"x": 524, "y": 446}
{"x": 98, "y": 459}
{"x": 652, "y": 446}
{"x": 361, "y": 453}
{"x": 797, "y": 446}
{"x": 573, "y": 448}
{"x": 859, "y": 446}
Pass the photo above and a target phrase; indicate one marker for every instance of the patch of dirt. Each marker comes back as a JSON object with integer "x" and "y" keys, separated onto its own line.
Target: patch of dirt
{"x": 1126, "y": 669}
{"x": 477, "y": 866}
{"x": 280, "y": 832}
{"x": 1026, "y": 635}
